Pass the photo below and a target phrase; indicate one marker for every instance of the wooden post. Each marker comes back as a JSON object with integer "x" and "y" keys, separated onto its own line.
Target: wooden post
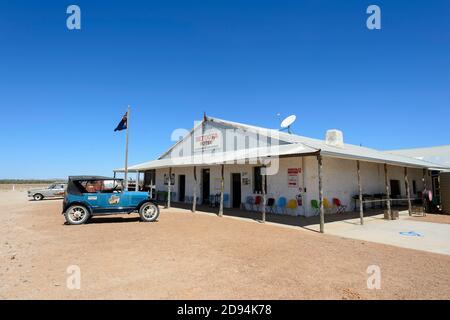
{"x": 361, "y": 206}
{"x": 168, "y": 188}
{"x": 221, "y": 192}
{"x": 424, "y": 180}
{"x": 408, "y": 193}
{"x": 137, "y": 181}
{"x": 322, "y": 211}
{"x": 264, "y": 196}
{"x": 388, "y": 214}
{"x": 151, "y": 187}
{"x": 194, "y": 201}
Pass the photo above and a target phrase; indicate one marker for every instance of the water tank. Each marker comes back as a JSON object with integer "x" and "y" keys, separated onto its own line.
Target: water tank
{"x": 334, "y": 138}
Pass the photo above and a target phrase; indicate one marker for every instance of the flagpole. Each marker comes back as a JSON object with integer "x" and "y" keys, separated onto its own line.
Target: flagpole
{"x": 126, "y": 150}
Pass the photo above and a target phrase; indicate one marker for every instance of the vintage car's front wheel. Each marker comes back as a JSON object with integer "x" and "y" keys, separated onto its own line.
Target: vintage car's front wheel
{"x": 76, "y": 214}
{"x": 38, "y": 197}
{"x": 149, "y": 212}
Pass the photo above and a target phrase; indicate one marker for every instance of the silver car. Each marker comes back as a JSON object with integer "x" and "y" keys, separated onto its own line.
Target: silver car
{"x": 55, "y": 190}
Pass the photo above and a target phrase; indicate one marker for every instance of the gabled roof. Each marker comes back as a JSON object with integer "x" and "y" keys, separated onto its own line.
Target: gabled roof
{"x": 297, "y": 145}
{"x": 198, "y": 124}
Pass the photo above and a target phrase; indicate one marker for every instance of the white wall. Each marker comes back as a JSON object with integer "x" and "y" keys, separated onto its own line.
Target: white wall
{"x": 340, "y": 180}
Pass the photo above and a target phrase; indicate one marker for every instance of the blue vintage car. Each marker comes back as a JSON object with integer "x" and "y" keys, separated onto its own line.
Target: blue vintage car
{"x": 88, "y": 196}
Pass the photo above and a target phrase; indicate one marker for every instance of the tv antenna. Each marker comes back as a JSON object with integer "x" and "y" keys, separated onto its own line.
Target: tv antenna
{"x": 287, "y": 122}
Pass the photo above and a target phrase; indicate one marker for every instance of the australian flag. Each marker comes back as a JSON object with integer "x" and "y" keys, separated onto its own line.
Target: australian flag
{"x": 122, "y": 124}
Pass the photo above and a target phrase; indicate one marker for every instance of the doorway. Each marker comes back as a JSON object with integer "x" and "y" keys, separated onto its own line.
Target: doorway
{"x": 395, "y": 188}
{"x": 205, "y": 185}
{"x": 236, "y": 189}
{"x": 181, "y": 187}
{"x": 435, "y": 183}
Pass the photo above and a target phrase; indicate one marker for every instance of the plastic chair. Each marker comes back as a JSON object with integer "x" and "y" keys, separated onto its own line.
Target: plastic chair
{"x": 210, "y": 200}
{"x": 217, "y": 200}
{"x": 226, "y": 198}
{"x": 281, "y": 203}
{"x": 326, "y": 205}
{"x": 271, "y": 204}
{"x": 249, "y": 201}
{"x": 315, "y": 206}
{"x": 258, "y": 202}
{"x": 340, "y": 207}
{"x": 292, "y": 204}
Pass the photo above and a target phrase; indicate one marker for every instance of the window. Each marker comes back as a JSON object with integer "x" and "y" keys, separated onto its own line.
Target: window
{"x": 101, "y": 186}
{"x": 257, "y": 180}
{"x": 414, "y": 187}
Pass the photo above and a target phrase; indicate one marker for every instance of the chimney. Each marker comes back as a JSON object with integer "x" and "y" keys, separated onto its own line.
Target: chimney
{"x": 334, "y": 138}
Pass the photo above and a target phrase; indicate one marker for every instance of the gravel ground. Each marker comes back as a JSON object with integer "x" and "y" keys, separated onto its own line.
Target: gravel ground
{"x": 437, "y": 218}
{"x": 198, "y": 256}
{"x": 21, "y": 187}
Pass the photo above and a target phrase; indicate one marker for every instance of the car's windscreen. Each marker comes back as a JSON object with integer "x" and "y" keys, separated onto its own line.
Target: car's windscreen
{"x": 100, "y": 186}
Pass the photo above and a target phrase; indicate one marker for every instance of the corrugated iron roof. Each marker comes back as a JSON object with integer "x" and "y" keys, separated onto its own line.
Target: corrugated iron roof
{"x": 298, "y": 145}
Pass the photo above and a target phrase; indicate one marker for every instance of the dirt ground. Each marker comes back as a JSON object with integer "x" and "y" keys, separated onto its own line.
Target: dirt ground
{"x": 198, "y": 256}
{"x": 20, "y": 186}
{"x": 437, "y": 218}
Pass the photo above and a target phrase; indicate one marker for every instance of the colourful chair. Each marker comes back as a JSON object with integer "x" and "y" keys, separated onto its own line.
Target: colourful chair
{"x": 211, "y": 200}
{"x": 292, "y": 204}
{"x": 249, "y": 201}
{"x": 258, "y": 202}
{"x": 271, "y": 205}
{"x": 315, "y": 206}
{"x": 340, "y": 208}
{"x": 281, "y": 203}
{"x": 226, "y": 198}
{"x": 327, "y": 206}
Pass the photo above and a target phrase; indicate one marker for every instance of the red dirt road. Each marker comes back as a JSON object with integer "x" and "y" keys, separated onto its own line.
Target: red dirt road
{"x": 197, "y": 256}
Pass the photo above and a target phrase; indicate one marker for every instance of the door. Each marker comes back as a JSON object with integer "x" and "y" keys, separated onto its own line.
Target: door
{"x": 181, "y": 187}
{"x": 205, "y": 186}
{"x": 236, "y": 189}
{"x": 59, "y": 190}
{"x": 436, "y": 190}
{"x": 106, "y": 196}
{"x": 395, "y": 188}
{"x": 113, "y": 202}
{"x": 445, "y": 191}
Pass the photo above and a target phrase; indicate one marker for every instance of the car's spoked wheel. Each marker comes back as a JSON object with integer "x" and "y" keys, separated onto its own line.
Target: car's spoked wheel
{"x": 149, "y": 212}
{"x": 76, "y": 214}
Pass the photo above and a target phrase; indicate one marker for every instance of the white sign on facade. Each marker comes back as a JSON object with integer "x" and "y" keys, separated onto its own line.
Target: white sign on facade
{"x": 210, "y": 139}
{"x": 293, "y": 177}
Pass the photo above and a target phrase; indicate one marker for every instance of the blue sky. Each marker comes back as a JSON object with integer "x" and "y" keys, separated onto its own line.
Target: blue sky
{"x": 63, "y": 92}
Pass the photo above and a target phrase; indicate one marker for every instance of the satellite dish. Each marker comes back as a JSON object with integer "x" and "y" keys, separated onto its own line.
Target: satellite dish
{"x": 287, "y": 122}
